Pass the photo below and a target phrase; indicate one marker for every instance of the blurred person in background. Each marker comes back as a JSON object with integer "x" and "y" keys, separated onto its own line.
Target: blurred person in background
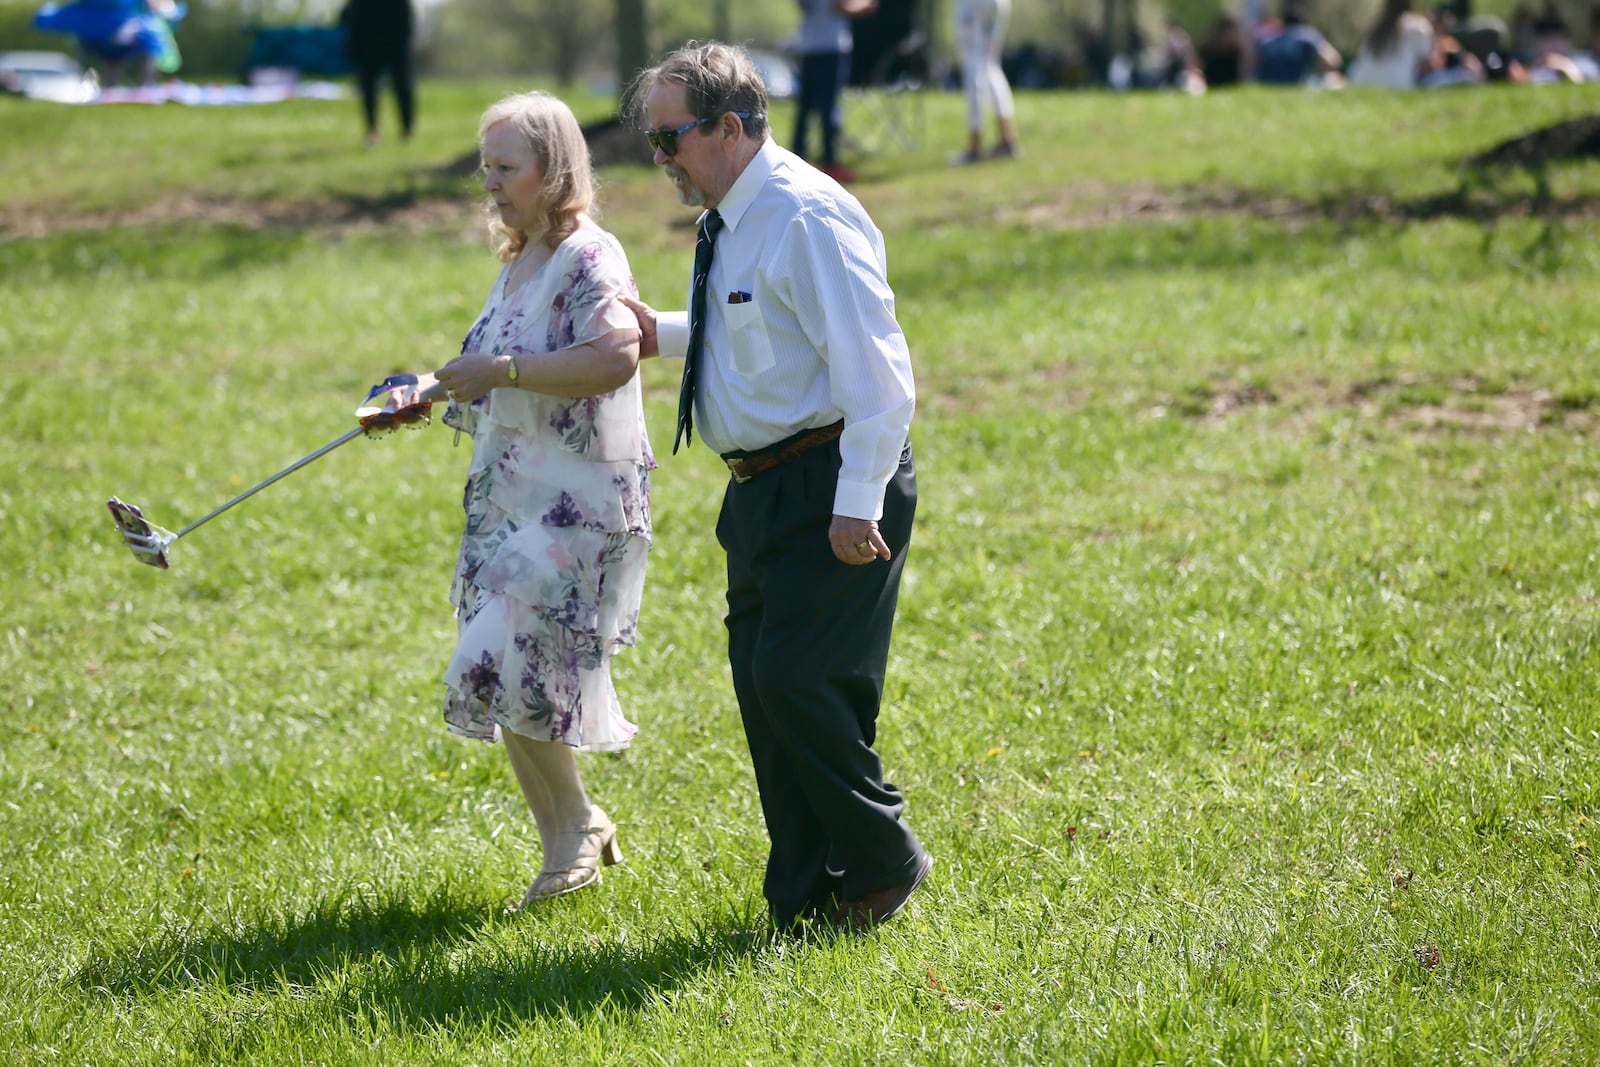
{"x": 1221, "y": 51}
{"x": 1398, "y": 50}
{"x": 1453, "y": 65}
{"x": 824, "y": 48}
{"x": 125, "y": 40}
{"x": 1178, "y": 63}
{"x": 377, "y": 44}
{"x": 1484, "y": 50}
{"x": 1547, "y": 49}
{"x": 981, "y": 35}
{"x": 1293, "y": 52}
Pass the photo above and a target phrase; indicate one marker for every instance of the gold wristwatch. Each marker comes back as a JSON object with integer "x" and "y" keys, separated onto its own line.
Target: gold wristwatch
{"x": 511, "y": 368}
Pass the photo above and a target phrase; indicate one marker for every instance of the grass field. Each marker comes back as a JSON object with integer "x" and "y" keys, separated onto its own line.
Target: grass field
{"x": 1244, "y": 680}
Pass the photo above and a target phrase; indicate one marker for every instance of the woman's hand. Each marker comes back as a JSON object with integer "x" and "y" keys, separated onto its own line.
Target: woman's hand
{"x": 400, "y": 391}
{"x": 470, "y": 376}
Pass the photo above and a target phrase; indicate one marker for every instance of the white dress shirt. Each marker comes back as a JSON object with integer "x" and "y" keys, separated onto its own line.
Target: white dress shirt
{"x": 800, "y": 328}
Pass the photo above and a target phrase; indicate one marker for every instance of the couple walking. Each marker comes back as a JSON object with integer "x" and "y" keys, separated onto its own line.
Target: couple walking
{"x": 796, "y": 372}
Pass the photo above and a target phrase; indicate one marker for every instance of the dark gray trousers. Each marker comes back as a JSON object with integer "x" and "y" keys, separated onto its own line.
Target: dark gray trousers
{"x": 808, "y": 642}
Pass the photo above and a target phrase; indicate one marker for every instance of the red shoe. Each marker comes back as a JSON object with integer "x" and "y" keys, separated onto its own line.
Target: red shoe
{"x": 840, "y": 174}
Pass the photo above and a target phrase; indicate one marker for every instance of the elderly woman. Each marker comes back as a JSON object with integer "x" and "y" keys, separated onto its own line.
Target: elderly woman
{"x": 552, "y": 564}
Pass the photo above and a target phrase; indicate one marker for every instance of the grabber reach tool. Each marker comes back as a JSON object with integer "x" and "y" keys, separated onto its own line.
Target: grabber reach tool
{"x": 150, "y": 542}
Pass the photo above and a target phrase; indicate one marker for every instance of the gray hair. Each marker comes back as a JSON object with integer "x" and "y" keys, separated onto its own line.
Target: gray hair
{"x": 718, "y": 78}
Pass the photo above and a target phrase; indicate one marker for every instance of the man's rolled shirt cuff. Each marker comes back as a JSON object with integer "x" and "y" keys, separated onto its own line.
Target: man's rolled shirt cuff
{"x": 858, "y": 500}
{"x": 672, "y": 334}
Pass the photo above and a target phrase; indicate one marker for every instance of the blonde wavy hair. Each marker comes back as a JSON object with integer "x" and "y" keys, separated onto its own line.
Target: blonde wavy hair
{"x": 557, "y": 142}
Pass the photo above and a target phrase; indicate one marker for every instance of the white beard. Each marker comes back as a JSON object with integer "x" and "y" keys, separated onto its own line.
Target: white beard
{"x": 689, "y": 194}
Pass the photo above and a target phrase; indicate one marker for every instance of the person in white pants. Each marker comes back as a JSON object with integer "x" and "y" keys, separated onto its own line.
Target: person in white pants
{"x": 981, "y": 32}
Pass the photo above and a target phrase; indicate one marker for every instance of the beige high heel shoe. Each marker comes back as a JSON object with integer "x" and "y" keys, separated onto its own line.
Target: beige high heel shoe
{"x": 576, "y": 864}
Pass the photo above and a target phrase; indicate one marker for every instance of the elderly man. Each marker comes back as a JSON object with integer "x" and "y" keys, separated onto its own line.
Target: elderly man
{"x": 797, "y": 373}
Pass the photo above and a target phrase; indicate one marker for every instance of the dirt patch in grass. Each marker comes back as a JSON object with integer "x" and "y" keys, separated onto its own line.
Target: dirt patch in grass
{"x": 1407, "y": 403}
{"x": 1074, "y": 205}
{"x": 334, "y": 215}
{"x": 1465, "y": 405}
{"x": 1088, "y": 205}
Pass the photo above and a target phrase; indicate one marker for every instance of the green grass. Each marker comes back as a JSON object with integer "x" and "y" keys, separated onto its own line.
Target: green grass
{"x": 1243, "y": 685}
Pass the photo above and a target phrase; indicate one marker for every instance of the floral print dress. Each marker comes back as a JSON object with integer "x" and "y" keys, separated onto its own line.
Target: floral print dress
{"x": 552, "y": 563}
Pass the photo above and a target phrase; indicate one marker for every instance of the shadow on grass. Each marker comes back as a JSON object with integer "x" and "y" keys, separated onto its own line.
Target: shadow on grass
{"x": 1462, "y": 203}
{"x": 414, "y": 963}
{"x": 273, "y": 949}
{"x": 516, "y": 975}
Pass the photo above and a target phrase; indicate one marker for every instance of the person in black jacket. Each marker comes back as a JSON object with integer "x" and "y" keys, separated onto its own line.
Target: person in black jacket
{"x": 378, "y": 42}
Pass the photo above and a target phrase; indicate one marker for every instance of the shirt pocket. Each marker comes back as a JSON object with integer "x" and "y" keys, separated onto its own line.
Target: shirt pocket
{"x": 751, "y": 348}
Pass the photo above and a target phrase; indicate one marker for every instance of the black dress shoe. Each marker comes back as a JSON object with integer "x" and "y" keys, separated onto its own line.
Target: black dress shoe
{"x": 867, "y": 911}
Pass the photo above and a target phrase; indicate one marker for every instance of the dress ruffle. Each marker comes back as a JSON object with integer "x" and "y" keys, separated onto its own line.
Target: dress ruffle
{"x": 539, "y": 679}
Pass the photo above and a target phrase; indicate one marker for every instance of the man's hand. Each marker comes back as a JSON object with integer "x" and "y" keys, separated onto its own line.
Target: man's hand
{"x": 856, "y": 541}
{"x": 647, "y": 326}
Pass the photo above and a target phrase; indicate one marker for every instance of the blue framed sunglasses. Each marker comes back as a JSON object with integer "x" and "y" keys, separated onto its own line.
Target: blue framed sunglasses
{"x": 667, "y": 140}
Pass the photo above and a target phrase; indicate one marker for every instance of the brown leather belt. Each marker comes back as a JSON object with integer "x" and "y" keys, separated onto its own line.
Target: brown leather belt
{"x": 746, "y": 465}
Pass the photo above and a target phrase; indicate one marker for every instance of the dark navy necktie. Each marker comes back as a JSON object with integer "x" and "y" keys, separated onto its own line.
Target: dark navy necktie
{"x": 697, "y": 325}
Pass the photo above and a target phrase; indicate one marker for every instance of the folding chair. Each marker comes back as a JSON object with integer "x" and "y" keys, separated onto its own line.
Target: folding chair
{"x": 889, "y": 71}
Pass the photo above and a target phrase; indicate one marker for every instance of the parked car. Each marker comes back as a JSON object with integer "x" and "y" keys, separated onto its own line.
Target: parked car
{"x": 47, "y": 76}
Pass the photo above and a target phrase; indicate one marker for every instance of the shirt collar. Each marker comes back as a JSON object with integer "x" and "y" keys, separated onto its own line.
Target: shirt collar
{"x": 748, "y": 184}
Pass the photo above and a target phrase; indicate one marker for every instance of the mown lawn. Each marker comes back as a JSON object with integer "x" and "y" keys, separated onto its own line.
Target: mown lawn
{"x": 1243, "y": 687}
